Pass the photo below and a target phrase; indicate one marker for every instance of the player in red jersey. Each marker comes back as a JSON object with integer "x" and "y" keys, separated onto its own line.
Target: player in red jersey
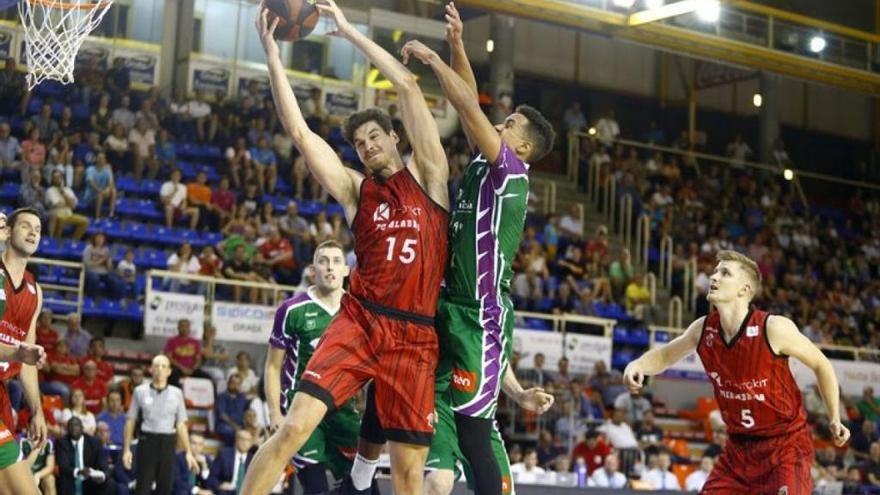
{"x": 398, "y": 216}
{"x": 20, "y": 302}
{"x": 745, "y": 354}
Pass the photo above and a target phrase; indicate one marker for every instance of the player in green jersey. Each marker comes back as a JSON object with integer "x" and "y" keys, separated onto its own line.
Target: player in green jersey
{"x": 299, "y": 324}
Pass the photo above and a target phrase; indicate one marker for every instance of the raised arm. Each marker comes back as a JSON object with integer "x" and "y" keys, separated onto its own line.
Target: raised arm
{"x": 458, "y": 57}
{"x": 785, "y": 339}
{"x": 418, "y": 122}
{"x": 476, "y": 125}
{"x": 658, "y": 359}
{"x": 342, "y": 183}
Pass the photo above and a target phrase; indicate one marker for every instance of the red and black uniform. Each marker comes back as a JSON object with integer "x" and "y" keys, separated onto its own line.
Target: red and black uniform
{"x": 385, "y": 328}
{"x": 21, "y": 307}
{"x": 770, "y": 448}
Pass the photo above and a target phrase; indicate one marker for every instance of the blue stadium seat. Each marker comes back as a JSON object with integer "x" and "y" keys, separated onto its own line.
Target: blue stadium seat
{"x": 73, "y": 249}
{"x": 50, "y": 248}
{"x": 9, "y": 192}
{"x": 80, "y": 112}
{"x": 639, "y": 336}
{"x": 350, "y": 155}
{"x": 48, "y": 274}
{"x": 310, "y": 208}
{"x": 538, "y": 324}
{"x": 212, "y": 238}
{"x": 661, "y": 337}
{"x": 69, "y": 276}
{"x": 545, "y": 305}
{"x": 335, "y": 137}
{"x": 35, "y": 105}
{"x": 335, "y": 209}
{"x": 150, "y": 187}
{"x": 620, "y": 358}
{"x": 128, "y": 184}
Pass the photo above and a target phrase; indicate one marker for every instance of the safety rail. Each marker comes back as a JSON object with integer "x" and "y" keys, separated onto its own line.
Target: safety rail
{"x": 278, "y": 292}
{"x": 594, "y": 186}
{"x": 625, "y": 220}
{"x": 651, "y": 282}
{"x": 610, "y": 194}
{"x": 77, "y": 289}
{"x": 558, "y": 322}
{"x": 674, "y": 314}
{"x": 548, "y": 194}
{"x": 666, "y": 258}
{"x": 689, "y": 289}
{"x": 642, "y": 240}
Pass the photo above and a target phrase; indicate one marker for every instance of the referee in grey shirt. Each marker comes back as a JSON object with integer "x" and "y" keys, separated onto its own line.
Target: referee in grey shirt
{"x": 163, "y": 412}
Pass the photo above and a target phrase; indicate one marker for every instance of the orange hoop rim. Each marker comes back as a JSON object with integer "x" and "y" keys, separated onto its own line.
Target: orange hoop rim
{"x": 69, "y": 5}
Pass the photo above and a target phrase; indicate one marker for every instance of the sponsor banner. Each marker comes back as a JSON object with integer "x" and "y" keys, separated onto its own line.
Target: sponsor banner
{"x": 341, "y": 102}
{"x": 143, "y": 65}
{"x": 584, "y": 351}
{"x": 853, "y": 376}
{"x": 98, "y": 52}
{"x": 164, "y": 309}
{"x": 710, "y": 75}
{"x": 689, "y": 367}
{"x": 198, "y": 392}
{"x": 209, "y": 77}
{"x": 438, "y": 105}
{"x": 243, "y": 322}
{"x": 530, "y": 342}
{"x": 7, "y": 43}
{"x": 247, "y": 77}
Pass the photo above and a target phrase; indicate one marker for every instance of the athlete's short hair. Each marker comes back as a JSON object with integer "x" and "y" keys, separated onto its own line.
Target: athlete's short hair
{"x": 354, "y": 121}
{"x": 539, "y": 131}
{"x": 328, "y": 245}
{"x": 748, "y": 265}
{"x": 27, "y": 210}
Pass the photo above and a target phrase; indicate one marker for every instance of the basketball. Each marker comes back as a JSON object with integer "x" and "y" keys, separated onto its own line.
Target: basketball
{"x": 298, "y": 18}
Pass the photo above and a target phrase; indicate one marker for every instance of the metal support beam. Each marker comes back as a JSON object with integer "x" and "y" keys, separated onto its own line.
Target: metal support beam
{"x": 664, "y": 12}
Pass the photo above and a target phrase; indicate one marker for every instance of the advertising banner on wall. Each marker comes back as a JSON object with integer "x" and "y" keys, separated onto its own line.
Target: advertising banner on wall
{"x": 853, "y": 376}
{"x": 142, "y": 64}
{"x": 164, "y": 309}
{"x": 210, "y": 77}
{"x": 247, "y": 77}
{"x": 340, "y": 102}
{"x": 584, "y": 351}
{"x": 7, "y": 43}
{"x": 530, "y": 342}
{"x": 242, "y": 322}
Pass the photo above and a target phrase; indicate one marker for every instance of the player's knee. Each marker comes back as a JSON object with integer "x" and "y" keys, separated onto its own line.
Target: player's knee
{"x": 292, "y": 431}
{"x": 439, "y": 483}
{"x": 409, "y": 480}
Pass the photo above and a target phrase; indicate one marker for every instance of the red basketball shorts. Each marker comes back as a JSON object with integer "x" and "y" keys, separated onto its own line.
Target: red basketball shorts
{"x": 768, "y": 466}
{"x": 397, "y": 350}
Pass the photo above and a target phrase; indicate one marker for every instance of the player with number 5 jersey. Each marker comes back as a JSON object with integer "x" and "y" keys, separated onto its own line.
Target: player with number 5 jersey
{"x": 745, "y": 352}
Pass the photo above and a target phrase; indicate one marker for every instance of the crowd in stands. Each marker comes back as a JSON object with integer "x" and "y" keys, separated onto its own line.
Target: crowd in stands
{"x": 78, "y": 154}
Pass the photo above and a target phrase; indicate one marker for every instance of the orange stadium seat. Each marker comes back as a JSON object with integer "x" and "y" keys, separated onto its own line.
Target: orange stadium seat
{"x": 682, "y": 471}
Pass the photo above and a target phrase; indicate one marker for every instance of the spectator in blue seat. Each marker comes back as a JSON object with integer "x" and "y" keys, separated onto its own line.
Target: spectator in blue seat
{"x": 114, "y": 416}
{"x": 184, "y": 261}
{"x": 101, "y": 120}
{"x": 125, "y": 279}
{"x": 265, "y": 165}
{"x": 61, "y": 202}
{"x": 14, "y": 96}
{"x": 85, "y": 148}
{"x": 31, "y": 194}
{"x": 118, "y": 148}
{"x": 118, "y": 79}
{"x": 609, "y": 384}
{"x": 230, "y": 408}
{"x": 100, "y": 186}
{"x": 166, "y": 150}
{"x": 173, "y": 198}
{"x": 98, "y": 265}
{"x": 44, "y": 122}
{"x": 564, "y": 300}
{"x": 296, "y": 228}
{"x": 142, "y": 140}
{"x": 238, "y": 161}
{"x": 122, "y": 114}
{"x": 10, "y": 149}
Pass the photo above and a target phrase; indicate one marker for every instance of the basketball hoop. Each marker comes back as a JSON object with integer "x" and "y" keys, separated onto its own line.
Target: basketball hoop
{"x": 54, "y": 31}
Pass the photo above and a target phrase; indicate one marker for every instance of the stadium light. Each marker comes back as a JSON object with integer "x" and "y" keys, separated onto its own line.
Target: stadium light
{"x": 817, "y": 44}
{"x": 788, "y": 174}
{"x": 490, "y": 45}
{"x": 624, "y": 4}
{"x": 709, "y": 11}
{"x": 592, "y": 131}
{"x": 653, "y": 4}
{"x": 757, "y": 100}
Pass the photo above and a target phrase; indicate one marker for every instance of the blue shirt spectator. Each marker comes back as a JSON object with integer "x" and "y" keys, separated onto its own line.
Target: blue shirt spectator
{"x": 230, "y": 408}
{"x": 99, "y": 177}
{"x": 114, "y": 416}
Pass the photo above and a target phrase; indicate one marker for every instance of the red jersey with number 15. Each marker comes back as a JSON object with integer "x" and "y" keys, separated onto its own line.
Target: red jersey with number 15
{"x": 21, "y": 305}
{"x": 754, "y": 387}
{"x": 400, "y": 243}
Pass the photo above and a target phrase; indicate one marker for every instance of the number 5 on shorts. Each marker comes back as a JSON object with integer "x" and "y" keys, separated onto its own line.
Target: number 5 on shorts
{"x": 746, "y": 418}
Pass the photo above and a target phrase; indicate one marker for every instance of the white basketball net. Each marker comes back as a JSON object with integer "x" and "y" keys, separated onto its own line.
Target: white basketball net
{"x": 54, "y": 32}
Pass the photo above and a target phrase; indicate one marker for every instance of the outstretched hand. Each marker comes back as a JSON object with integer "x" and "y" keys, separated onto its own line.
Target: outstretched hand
{"x": 633, "y": 377}
{"x": 454, "y": 26}
{"x": 535, "y": 400}
{"x": 330, "y": 9}
{"x": 417, "y": 49}
{"x": 266, "y": 30}
{"x": 839, "y": 433}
